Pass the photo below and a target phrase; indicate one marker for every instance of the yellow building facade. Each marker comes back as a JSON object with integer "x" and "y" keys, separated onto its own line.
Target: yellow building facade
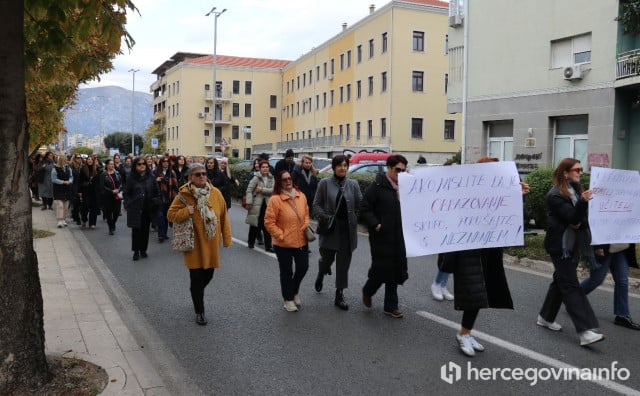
{"x": 379, "y": 84}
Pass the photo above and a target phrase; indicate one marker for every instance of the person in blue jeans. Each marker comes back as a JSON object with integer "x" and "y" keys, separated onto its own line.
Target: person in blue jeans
{"x": 616, "y": 258}
{"x": 439, "y": 289}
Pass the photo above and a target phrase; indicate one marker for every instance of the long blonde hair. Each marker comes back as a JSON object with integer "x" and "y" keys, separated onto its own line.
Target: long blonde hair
{"x": 314, "y": 171}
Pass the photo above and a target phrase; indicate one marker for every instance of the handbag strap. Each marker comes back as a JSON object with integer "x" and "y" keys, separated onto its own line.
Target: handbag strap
{"x": 341, "y": 187}
{"x": 181, "y": 198}
{"x": 294, "y": 209}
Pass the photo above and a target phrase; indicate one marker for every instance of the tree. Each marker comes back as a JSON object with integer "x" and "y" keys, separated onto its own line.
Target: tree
{"x": 82, "y": 150}
{"x": 154, "y": 131}
{"x": 630, "y": 16}
{"x": 37, "y": 48}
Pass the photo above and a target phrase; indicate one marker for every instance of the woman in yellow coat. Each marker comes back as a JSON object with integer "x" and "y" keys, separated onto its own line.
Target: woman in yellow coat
{"x": 208, "y": 210}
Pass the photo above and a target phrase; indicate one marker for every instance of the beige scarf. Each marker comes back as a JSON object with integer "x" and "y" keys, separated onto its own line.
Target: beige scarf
{"x": 209, "y": 217}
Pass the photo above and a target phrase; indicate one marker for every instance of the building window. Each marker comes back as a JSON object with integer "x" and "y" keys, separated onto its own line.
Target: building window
{"x": 384, "y": 42}
{"x": 304, "y": 80}
{"x": 247, "y": 109}
{"x": 349, "y": 58}
{"x": 371, "y": 49}
{"x": 333, "y": 66}
{"x": 206, "y": 132}
{"x": 236, "y": 87}
{"x": 570, "y": 138}
{"x": 318, "y": 73}
{"x": 384, "y": 81}
{"x": 418, "y": 41}
{"x": 571, "y": 51}
{"x": 247, "y": 87}
{"x": 235, "y": 110}
{"x": 331, "y": 130}
{"x": 324, "y": 67}
{"x": 348, "y": 92}
{"x": 359, "y": 54}
{"x": 287, "y": 86}
{"x": 383, "y": 127}
{"x": 324, "y": 100}
{"x": 310, "y": 76}
{"x": 273, "y": 101}
{"x": 206, "y": 88}
{"x": 340, "y": 127}
{"x": 417, "y": 81}
{"x": 500, "y": 139}
{"x": 358, "y": 130}
{"x": 235, "y": 132}
{"x": 446, "y": 44}
{"x": 206, "y": 109}
{"x": 358, "y": 89}
{"x": 273, "y": 123}
{"x": 416, "y": 128}
{"x": 369, "y": 129}
{"x": 331, "y": 98}
{"x": 341, "y": 62}
{"x": 449, "y": 130}
{"x": 298, "y": 82}
{"x": 348, "y": 131}
{"x": 317, "y": 102}
{"x": 370, "y": 85}
{"x": 341, "y": 94}
{"x": 446, "y": 83}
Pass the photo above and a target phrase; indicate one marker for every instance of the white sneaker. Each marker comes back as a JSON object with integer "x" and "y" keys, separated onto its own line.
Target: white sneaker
{"x": 589, "y": 337}
{"x": 555, "y": 326}
{"x": 478, "y": 347}
{"x": 447, "y": 294}
{"x": 466, "y": 345}
{"x": 290, "y": 306}
{"x": 436, "y": 292}
{"x": 297, "y": 301}
{"x": 60, "y": 225}
{"x": 64, "y": 223}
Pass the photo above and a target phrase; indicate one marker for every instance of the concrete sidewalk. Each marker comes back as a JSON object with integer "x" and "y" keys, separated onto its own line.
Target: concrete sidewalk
{"x": 80, "y": 319}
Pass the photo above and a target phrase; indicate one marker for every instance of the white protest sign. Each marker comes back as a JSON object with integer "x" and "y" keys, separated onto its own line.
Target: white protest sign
{"x": 614, "y": 211}
{"x": 451, "y": 208}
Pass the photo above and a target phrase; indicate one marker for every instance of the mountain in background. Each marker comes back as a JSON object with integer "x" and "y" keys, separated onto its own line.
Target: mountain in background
{"x": 108, "y": 110}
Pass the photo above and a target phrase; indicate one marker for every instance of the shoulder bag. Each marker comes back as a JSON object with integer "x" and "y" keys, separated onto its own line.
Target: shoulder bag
{"x": 309, "y": 233}
{"x": 326, "y": 224}
{"x": 183, "y": 238}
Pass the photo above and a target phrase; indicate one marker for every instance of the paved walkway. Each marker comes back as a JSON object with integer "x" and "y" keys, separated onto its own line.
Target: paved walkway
{"x": 80, "y": 319}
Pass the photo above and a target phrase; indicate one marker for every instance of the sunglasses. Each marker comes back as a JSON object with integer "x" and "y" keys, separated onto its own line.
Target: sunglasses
{"x": 577, "y": 170}
{"x": 199, "y": 174}
{"x": 286, "y": 179}
{"x": 399, "y": 170}
{"x": 141, "y": 163}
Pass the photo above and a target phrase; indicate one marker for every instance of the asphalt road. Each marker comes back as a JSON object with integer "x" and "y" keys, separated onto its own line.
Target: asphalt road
{"x": 253, "y": 346}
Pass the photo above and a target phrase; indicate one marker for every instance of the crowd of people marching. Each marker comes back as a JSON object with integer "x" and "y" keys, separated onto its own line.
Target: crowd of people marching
{"x": 157, "y": 191}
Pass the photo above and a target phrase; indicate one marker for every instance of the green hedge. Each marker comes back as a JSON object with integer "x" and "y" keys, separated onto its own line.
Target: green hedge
{"x": 540, "y": 182}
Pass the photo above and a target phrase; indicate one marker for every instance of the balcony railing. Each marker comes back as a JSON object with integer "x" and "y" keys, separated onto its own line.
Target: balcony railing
{"x": 333, "y": 141}
{"x": 224, "y": 119}
{"x": 628, "y": 64}
{"x": 262, "y": 147}
{"x": 217, "y": 140}
{"x": 220, "y": 96}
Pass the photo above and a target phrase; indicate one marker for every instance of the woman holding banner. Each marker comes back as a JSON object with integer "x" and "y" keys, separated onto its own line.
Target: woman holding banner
{"x": 568, "y": 238}
{"x": 380, "y": 211}
{"x": 479, "y": 282}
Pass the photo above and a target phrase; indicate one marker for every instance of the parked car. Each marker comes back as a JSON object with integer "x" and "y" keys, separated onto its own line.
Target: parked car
{"x": 371, "y": 168}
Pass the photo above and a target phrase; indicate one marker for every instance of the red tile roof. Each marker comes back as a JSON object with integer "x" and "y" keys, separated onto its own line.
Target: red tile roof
{"x": 238, "y": 61}
{"x": 435, "y": 3}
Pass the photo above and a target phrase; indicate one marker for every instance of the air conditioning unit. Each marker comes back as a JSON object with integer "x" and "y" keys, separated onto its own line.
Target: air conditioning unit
{"x": 573, "y": 72}
{"x": 200, "y": 115}
{"x": 330, "y": 77}
{"x": 455, "y": 20}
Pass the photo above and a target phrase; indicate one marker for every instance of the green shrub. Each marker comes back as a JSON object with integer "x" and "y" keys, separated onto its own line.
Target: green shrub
{"x": 540, "y": 182}
{"x": 240, "y": 172}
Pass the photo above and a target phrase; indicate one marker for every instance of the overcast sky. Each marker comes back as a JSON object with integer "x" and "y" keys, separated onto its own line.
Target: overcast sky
{"x": 278, "y": 29}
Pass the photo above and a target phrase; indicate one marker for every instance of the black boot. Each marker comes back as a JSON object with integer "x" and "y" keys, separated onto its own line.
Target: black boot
{"x": 339, "y": 302}
{"x": 318, "y": 284}
{"x": 201, "y": 319}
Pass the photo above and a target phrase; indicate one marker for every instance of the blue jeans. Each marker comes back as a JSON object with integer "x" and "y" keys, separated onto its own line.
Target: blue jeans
{"x": 441, "y": 278}
{"x": 290, "y": 279}
{"x": 617, "y": 264}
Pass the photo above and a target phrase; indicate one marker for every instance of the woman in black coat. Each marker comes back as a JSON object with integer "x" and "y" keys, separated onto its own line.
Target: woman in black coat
{"x": 380, "y": 211}
{"x": 141, "y": 200}
{"x": 307, "y": 180}
{"x": 566, "y": 239}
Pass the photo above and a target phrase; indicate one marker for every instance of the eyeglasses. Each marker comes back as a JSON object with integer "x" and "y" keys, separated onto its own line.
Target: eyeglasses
{"x": 141, "y": 163}
{"x": 577, "y": 170}
{"x": 399, "y": 170}
{"x": 286, "y": 179}
{"x": 199, "y": 174}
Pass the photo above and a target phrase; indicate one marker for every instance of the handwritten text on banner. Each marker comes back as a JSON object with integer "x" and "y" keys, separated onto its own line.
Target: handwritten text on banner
{"x": 614, "y": 211}
{"x": 450, "y": 208}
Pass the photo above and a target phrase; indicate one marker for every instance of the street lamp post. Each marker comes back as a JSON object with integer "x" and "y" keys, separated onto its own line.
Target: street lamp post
{"x": 133, "y": 114}
{"x": 216, "y": 14}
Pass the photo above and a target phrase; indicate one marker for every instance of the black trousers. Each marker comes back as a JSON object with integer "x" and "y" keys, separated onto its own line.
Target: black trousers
{"x": 565, "y": 289}
{"x": 140, "y": 236}
{"x": 469, "y": 318}
{"x": 342, "y": 256}
{"x": 200, "y": 278}
{"x": 255, "y": 232}
{"x": 111, "y": 211}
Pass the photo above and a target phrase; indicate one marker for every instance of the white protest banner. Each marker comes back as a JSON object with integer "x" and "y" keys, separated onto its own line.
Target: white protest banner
{"x": 614, "y": 211}
{"x": 451, "y": 208}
